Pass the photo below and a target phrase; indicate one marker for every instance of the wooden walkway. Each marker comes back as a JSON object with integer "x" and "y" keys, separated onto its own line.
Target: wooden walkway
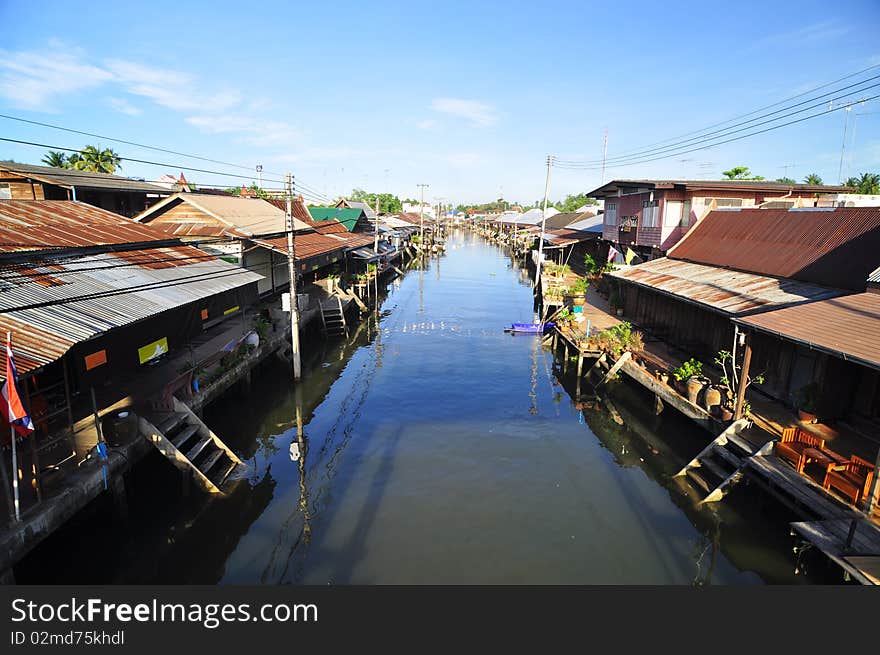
{"x": 861, "y": 560}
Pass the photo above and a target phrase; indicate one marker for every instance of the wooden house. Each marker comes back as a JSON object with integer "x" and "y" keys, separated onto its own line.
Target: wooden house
{"x": 114, "y": 193}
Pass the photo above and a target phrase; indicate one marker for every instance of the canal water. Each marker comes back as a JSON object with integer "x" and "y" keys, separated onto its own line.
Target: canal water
{"x": 434, "y": 448}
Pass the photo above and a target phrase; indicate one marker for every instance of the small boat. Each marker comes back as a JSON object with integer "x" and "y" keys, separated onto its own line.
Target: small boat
{"x": 529, "y": 328}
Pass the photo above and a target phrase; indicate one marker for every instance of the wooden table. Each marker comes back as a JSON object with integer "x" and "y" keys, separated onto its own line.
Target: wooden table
{"x": 826, "y": 458}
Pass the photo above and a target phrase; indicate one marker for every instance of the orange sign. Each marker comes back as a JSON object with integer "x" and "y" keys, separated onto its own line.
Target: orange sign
{"x": 96, "y": 359}
{"x": 204, "y": 314}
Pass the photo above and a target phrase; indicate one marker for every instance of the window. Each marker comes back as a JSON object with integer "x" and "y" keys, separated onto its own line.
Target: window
{"x": 672, "y": 213}
{"x": 5, "y": 191}
{"x": 726, "y": 202}
{"x": 610, "y": 214}
{"x": 649, "y": 213}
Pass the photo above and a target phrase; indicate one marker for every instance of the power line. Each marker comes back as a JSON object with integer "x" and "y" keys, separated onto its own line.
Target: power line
{"x": 717, "y": 143}
{"x": 794, "y": 97}
{"x": 726, "y": 131}
{"x": 130, "y": 143}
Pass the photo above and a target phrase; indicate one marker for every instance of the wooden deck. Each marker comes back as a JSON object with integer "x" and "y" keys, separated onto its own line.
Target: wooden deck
{"x": 861, "y": 560}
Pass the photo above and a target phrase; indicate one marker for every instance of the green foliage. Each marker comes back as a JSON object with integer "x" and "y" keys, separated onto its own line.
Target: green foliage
{"x": 55, "y": 159}
{"x": 620, "y": 338}
{"x": 574, "y": 202}
{"x": 595, "y": 267}
{"x": 91, "y": 159}
{"x": 580, "y": 286}
{"x": 867, "y": 183}
{"x": 741, "y": 173}
{"x": 689, "y": 369}
{"x": 388, "y": 202}
{"x": 261, "y": 325}
{"x": 371, "y": 268}
{"x": 565, "y": 315}
{"x": 614, "y": 299}
{"x": 786, "y": 180}
{"x": 814, "y": 179}
{"x": 253, "y": 190}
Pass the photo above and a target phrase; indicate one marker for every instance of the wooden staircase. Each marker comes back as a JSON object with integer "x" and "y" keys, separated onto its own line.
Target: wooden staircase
{"x": 333, "y": 318}
{"x": 719, "y": 465}
{"x": 192, "y": 447}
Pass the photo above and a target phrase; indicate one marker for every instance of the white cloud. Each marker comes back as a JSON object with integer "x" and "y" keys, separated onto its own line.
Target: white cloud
{"x": 38, "y": 80}
{"x": 479, "y": 114}
{"x": 124, "y": 107}
{"x": 428, "y": 124}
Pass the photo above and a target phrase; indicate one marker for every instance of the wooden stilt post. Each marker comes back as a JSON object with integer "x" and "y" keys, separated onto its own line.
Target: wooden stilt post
{"x": 743, "y": 380}
{"x": 874, "y": 491}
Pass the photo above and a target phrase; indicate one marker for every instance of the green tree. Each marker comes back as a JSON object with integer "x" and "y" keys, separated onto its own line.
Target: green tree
{"x": 55, "y": 158}
{"x": 574, "y": 202}
{"x": 741, "y": 173}
{"x": 868, "y": 183}
{"x": 94, "y": 160}
{"x": 388, "y": 202}
{"x": 253, "y": 189}
{"x": 813, "y": 179}
{"x": 786, "y": 180}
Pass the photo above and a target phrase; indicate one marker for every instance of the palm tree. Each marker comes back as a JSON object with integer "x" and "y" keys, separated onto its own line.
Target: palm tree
{"x": 94, "y": 160}
{"x": 869, "y": 183}
{"x": 55, "y": 158}
{"x": 813, "y": 179}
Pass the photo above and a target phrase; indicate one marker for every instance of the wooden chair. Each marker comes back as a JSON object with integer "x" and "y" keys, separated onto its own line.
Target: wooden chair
{"x": 852, "y": 479}
{"x": 793, "y": 444}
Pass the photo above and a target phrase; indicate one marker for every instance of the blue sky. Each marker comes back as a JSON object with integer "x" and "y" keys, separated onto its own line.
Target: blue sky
{"x": 468, "y": 97}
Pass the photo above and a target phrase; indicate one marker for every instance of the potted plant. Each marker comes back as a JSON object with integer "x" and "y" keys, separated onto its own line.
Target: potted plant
{"x": 806, "y": 400}
{"x": 579, "y": 289}
{"x": 615, "y": 303}
{"x": 688, "y": 379}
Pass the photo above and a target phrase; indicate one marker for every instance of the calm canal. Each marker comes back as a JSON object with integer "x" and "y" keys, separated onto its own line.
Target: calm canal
{"x": 438, "y": 449}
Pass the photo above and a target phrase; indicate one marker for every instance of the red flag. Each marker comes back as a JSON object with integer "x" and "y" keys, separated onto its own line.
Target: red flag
{"x": 10, "y": 400}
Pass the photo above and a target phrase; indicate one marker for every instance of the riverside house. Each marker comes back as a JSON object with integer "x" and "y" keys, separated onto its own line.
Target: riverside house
{"x": 795, "y": 279}
{"x": 651, "y": 216}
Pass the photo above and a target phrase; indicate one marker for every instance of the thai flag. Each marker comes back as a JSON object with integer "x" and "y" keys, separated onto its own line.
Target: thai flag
{"x": 10, "y": 400}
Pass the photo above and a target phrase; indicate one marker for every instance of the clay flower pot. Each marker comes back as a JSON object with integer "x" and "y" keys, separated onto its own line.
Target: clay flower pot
{"x": 693, "y": 387}
{"x": 725, "y": 413}
{"x": 712, "y": 398}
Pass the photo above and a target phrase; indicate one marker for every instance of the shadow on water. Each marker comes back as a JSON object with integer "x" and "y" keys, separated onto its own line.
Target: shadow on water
{"x": 432, "y": 447}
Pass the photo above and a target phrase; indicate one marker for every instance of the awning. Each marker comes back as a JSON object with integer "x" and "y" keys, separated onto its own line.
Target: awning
{"x": 366, "y": 254}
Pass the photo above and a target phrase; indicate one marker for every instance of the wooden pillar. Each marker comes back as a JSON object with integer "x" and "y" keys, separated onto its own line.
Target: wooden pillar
{"x": 874, "y": 491}
{"x": 743, "y": 379}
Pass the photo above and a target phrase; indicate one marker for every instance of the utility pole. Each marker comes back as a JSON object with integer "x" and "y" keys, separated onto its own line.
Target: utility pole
{"x": 376, "y": 244}
{"x": 422, "y": 188}
{"x": 543, "y": 222}
{"x": 604, "y": 153}
{"x": 260, "y": 175}
{"x": 843, "y": 145}
{"x": 291, "y": 267}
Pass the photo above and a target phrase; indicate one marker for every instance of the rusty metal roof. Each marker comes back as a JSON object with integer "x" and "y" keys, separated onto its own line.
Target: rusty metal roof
{"x": 847, "y": 327}
{"x": 835, "y": 247}
{"x": 297, "y": 206}
{"x": 306, "y": 245}
{"x": 722, "y": 290}
{"x": 566, "y": 237}
{"x": 240, "y": 215}
{"x": 99, "y": 294}
{"x": 67, "y": 178}
{"x": 28, "y": 225}
{"x": 610, "y": 189}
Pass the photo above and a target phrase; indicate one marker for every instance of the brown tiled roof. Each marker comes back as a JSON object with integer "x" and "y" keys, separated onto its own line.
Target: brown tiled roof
{"x": 847, "y": 327}
{"x": 836, "y": 247}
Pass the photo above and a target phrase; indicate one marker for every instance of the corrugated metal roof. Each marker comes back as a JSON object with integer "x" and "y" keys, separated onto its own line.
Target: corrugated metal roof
{"x": 847, "y": 327}
{"x": 48, "y": 332}
{"x": 369, "y": 212}
{"x": 566, "y": 236}
{"x": 347, "y": 216}
{"x": 297, "y": 207}
{"x": 305, "y": 245}
{"x": 610, "y": 188}
{"x": 875, "y": 275}
{"x": 243, "y": 215}
{"x": 834, "y": 247}
{"x": 71, "y": 178}
{"x": 721, "y": 289}
{"x": 27, "y": 225}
